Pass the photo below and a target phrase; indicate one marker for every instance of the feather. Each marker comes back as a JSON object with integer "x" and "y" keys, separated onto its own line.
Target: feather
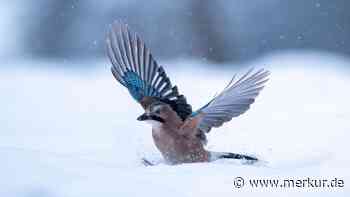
{"x": 135, "y": 68}
{"x": 233, "y": 101}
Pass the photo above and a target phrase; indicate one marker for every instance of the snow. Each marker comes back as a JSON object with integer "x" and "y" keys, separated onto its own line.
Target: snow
{"x": 73, "y": 132}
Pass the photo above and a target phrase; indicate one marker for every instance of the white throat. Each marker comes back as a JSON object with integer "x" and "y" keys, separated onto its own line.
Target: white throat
{"x": 155, "y": 124}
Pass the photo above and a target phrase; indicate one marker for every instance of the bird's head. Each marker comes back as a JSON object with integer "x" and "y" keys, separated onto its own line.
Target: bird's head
{"x": 156, "y": 113}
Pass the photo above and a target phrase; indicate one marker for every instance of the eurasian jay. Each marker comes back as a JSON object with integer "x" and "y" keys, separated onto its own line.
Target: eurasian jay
{"x": 178, "y": 132}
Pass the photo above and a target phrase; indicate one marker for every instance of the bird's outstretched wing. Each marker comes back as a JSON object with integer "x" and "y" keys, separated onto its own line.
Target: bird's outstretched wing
{"x": 233, "y": 101}
{"x": 134, "y": 67}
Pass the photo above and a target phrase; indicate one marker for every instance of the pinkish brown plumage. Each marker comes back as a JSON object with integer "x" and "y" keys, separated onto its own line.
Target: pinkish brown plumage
{"x": 178, "y": 132}
{"x": 177, "y": 139}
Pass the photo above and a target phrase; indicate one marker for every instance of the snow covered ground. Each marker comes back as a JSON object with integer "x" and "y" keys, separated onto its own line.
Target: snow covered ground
{"x": 73, "y": 132}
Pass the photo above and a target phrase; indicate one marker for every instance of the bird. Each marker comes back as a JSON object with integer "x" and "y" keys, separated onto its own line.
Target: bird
{"x": 179, "y": 133}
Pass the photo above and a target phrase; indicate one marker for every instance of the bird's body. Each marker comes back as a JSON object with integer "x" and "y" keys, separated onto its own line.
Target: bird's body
{"x": 178, "y": 132}
{"x": 177, "y": 147}
{"x": 177, "y": 140}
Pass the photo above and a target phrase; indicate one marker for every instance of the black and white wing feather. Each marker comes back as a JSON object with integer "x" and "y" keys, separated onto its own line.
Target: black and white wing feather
{"x": 233, "y": 101}
{"x": 135, "y": 68}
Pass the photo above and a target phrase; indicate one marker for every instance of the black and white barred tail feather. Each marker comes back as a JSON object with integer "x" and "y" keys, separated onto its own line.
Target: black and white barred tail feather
{"x": 225, "y": 155}
{"x": 135, "y": 68}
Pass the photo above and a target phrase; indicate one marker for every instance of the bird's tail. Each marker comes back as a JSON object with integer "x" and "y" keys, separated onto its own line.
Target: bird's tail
{"x": 224, "y": 155}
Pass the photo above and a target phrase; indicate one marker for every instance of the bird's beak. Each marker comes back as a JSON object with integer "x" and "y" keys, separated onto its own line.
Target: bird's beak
{"x": 143, "y": 117}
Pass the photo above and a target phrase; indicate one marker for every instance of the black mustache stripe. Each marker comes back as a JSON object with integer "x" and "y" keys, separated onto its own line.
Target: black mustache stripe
{"x": 156, "y": 118}
{"x": 150, "y": 117}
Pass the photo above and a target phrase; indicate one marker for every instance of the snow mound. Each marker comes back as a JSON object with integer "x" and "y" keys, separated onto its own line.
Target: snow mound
{"x": 66, "y": 132}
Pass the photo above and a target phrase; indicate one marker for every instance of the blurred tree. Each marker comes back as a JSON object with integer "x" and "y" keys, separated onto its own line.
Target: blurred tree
{"x": 216, "y": 30}
{"x": 208, "y": 25}
{"x": 50, "y": 24}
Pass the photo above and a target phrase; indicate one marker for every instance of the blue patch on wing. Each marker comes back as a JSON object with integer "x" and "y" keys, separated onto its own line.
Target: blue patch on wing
{"x": 195, "y": 113}
{"x": 134, "y": 84}
{"x": 137, "y": 87}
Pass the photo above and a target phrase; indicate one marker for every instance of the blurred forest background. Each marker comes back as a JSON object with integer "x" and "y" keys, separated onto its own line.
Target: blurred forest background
{"x": 216, "y": 31}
